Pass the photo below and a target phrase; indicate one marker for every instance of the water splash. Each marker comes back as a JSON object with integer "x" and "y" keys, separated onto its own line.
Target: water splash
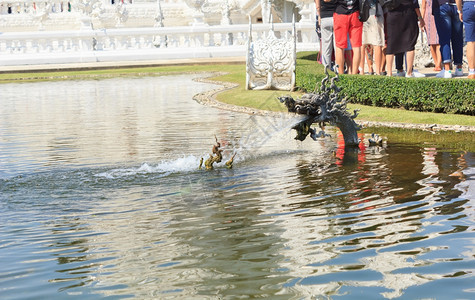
{"x": 259, "y": 132}
{"x": 183, "y": 164}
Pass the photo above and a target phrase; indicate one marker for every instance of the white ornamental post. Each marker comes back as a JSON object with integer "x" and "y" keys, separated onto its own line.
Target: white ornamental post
{"x": 198, "y": 16}
{"x": 266, "y": 8}
{"x": 307, "y": 14}
{"x": 86, "y": 10}
{"x": 158, "y": 41}
{"x": 121, "y": 14}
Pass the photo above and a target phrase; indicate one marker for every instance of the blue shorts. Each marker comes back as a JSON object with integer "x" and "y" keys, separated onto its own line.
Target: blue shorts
{"x": 469, "y": 20}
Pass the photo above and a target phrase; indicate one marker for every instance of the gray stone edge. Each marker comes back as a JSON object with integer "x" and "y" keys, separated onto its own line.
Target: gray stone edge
{"x": 208, "y": 98}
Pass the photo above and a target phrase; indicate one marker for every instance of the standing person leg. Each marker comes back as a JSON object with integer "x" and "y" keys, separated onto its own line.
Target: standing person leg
{"x": 348, "y": 58}
{"x": 340, "y": 59}
{"x": 471, "y": 59}
{"x": 379, "y": 42}
{"x": 444, "y": 31}
{"x": 389, "y": 64}
{"x": 356, "y": 34}
{"x": 340, "y": 30}
{"x": 436, "y": 56}
{"x": 399, "y": 64}
{"x": 369, "y": 55}
{"x": 356, "y": 60}
{"x": 327, "y": 40}
{"x": 469, "y": 21}
{"x": 384, "y": 70}
{"x": 362, "y": 61}
{"x": 457, "y": 41}
{"x": 410, "y": 63}
{"x": 378, "y": 59}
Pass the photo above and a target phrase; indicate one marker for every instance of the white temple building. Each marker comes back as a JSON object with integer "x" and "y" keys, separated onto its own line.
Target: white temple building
{"x": 111, "y": 30}
{"x": 29, "y": 15}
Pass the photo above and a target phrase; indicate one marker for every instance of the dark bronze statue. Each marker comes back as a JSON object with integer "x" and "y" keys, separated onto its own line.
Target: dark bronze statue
{"x": 229, "y": 163}
{"x": 216, "y": 158}
{"x": 322, "y": 108}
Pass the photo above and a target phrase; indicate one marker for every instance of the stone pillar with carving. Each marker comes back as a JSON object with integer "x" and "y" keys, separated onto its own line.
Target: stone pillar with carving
{"x": 159, "y": 41}
{"x": 266, "y": 8}
{"x": 121, "y": 14}
{"x": 86, "y": 10}
{"x": 196, "y": 6}
{"x": 307, "y": 13}
{"x": 226, "y": 20}
{"x": 41, "y": 14}
{"x": 83, "y": 9}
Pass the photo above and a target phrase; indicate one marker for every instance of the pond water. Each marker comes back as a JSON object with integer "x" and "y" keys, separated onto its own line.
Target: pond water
{"x": 101, "y": 196}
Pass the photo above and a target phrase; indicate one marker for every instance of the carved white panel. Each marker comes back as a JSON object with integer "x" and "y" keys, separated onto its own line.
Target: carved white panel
{"x": 270, "y": 62}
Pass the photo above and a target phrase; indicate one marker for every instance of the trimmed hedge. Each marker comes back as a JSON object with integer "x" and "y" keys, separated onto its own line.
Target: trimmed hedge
{"x": 419, "y": 94}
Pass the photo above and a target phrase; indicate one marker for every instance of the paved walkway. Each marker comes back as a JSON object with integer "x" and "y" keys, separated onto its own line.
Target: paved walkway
{"x": 121, "y": 64}
{"x": 429, "y": 72}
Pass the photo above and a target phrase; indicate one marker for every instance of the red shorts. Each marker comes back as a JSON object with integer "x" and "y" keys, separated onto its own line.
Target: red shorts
{"x": 347, "y": 25}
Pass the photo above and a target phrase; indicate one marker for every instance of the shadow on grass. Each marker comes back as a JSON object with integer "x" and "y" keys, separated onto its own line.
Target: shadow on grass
{"x": 312, "y": 56}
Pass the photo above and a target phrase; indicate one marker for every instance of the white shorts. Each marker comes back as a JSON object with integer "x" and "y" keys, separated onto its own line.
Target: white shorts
{"x": 373, "y": 28}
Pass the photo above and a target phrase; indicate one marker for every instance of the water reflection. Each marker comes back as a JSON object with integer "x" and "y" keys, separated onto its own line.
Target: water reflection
{"x": 100, "y": 196}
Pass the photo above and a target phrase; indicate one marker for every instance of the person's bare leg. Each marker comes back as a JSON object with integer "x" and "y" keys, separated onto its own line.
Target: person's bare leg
{"x": 348, "y": 59}
{"x": 471, "y": 55}
{"x": 389, "y": 64}
{"x": 436, "y": 56}
{"x": 362, "y": 61}
{"x": 369, "y": 54}
{"x": 439, "y": 56}
{"x": 447, "y": 66}
{"x": 410, "y": 62}
{"x": 378, "y": 59}
{"x": 471, "y": 58}
{"x": 340, "y": 59}
{"x": 356, "y": 60}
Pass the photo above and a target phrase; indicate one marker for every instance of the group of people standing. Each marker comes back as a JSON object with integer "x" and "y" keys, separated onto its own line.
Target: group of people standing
{"x": 382, "y": 31}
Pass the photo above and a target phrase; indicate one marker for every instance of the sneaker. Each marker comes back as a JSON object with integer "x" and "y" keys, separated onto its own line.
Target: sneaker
{"x": 410, "y": 76}
{"x": 458, "y": 72}
{"x": 400, "y": 74}
{"x": 417, "y": 74}
{"x": 444, "y": 74}
{"x": 471, "y": 76}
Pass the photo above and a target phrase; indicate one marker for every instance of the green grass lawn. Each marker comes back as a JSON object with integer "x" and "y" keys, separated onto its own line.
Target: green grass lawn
{"x": 266, "y": 100}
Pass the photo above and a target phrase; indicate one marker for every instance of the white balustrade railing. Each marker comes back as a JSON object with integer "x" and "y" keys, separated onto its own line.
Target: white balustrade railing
{"x": 16, "y": 7}
{"x": 20, "y": 48}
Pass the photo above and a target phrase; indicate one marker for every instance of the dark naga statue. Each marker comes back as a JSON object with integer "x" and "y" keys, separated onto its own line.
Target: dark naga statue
{"x": 326, "y": 107}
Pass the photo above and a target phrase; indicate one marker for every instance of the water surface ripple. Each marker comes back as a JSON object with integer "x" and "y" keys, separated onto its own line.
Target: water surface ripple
{"x": 100, "y": 196}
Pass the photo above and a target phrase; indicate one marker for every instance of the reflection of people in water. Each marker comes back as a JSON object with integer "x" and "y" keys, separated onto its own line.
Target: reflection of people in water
{"x": 462, "y": 164}
{"x": 349, "y": 155}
